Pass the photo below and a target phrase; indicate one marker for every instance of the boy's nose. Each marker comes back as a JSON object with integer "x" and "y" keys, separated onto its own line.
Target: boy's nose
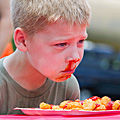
{"x": 75, "y": 56}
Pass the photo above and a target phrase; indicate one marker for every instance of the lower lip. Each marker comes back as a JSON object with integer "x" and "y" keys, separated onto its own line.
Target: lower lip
{"x": 69, "y": 71}
{"x": 63, "y": 78}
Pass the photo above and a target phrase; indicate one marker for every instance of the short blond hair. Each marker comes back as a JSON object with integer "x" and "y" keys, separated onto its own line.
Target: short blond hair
{"x": 34, "y": 15}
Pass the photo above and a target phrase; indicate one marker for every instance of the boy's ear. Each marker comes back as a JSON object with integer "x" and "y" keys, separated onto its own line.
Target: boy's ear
{"x": 20, "y": 39}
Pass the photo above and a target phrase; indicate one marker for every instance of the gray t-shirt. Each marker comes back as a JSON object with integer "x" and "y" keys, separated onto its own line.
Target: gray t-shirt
{"x": 13, "y": 95}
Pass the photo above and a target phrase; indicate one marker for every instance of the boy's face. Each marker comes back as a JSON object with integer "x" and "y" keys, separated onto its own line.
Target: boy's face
{"x": 57, "y": 51}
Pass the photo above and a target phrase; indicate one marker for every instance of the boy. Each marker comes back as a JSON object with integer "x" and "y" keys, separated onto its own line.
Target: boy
{"x": 49, "y": 36}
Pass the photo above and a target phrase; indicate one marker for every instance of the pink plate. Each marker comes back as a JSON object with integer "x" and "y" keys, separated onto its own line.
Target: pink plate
{"x": 38, "y": 111}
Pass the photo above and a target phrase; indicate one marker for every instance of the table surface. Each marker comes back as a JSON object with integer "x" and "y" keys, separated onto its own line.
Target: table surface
{"x": 85, "y": 117}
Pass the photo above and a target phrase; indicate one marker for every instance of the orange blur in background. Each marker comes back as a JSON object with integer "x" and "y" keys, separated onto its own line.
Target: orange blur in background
{"x": 8, "y": 50}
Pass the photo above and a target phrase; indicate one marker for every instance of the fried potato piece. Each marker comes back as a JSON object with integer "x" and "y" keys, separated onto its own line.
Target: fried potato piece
{"x": 101, "y": 107}
{"x": 88, "y": 104}
{"x": 105, "y": 100}
{"x": 64, "y": 103}
{"x": 98, "y": 101}
{"x": 72, "y": 105}
{"x": 45, "y": 106}
{"x": 77, "y": 100}
{"x": 116, "y": 105}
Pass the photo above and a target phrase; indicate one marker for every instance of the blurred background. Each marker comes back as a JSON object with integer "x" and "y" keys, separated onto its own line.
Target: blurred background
{"x": 99, "y": 72}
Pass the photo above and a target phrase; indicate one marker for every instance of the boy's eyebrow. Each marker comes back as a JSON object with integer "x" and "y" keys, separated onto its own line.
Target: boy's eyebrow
{"x": 70, "y": 38}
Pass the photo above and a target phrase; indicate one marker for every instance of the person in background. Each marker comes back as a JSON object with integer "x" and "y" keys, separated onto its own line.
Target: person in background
{"x": 49, "y": 36}
{"x": 6, "y": 29}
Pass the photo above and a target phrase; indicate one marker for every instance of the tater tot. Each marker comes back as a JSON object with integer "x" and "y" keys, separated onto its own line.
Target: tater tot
{"x": 116, "y": 105}
{"x": 64, "y": 103}
{"x": 89, "y": 104}
{"x": 73, "y": 105}
{"x": 45, "y": 106}
{"x": 105, "y": 100}
{"x": 101, "y": 107}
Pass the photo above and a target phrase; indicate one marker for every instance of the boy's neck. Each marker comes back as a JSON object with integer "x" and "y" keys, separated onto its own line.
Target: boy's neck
{"x": 22, "y": 72}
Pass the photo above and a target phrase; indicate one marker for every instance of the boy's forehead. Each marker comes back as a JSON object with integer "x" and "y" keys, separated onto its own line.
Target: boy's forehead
{"x": 63, "y": 25}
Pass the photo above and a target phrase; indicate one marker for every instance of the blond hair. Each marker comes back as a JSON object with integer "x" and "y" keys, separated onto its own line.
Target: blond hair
{"x": 34, "y": 15}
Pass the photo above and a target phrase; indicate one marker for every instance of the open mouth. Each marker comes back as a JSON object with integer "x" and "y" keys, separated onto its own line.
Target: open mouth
{"x": 69, "y": 69}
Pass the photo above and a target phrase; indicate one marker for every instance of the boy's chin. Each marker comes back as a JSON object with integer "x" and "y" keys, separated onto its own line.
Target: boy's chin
{"x": 61, "y": 78}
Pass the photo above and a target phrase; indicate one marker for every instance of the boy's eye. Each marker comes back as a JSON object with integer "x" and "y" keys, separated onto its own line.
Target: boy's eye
{"x": 80, "y": 41}
{"x": 61, "y": 44}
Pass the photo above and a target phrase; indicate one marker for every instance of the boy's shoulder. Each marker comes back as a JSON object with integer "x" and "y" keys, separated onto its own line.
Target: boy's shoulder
{"x": 72, "y": 83}
{"x": 72, "y": 80}
{"x": 73, "y": 88}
